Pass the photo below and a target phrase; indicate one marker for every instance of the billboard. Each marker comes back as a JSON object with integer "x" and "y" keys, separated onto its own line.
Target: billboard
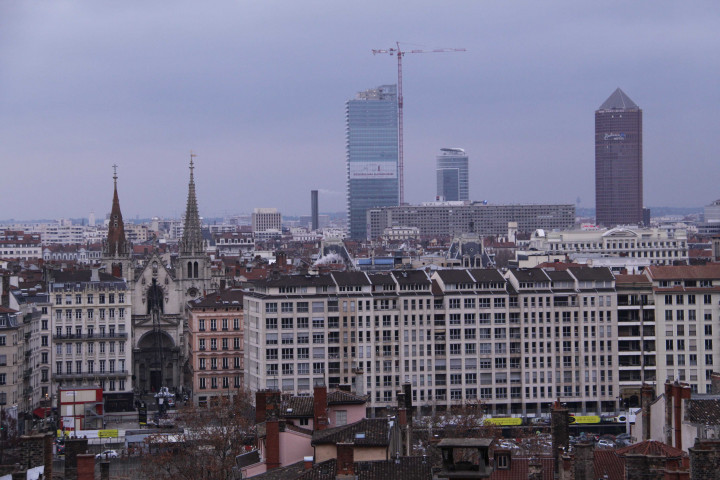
{"x": 372, "y": 170}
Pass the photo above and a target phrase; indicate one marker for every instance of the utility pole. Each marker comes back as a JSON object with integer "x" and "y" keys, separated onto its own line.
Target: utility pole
{"x": 400, "y": 54}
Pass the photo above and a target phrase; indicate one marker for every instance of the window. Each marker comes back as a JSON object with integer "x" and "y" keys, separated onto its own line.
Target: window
{"x": 271, "y": 307}
{"x": 271, "y": 324}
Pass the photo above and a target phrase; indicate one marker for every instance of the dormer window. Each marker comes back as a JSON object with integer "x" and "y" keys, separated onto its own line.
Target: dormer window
{"x": 502, "y": 460}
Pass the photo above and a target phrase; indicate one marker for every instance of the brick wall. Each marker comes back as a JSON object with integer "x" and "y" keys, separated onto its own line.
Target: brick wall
{"x": 85, "y": 466}
{"x": 345, "y": 459}
{"x": 73, "y": 448}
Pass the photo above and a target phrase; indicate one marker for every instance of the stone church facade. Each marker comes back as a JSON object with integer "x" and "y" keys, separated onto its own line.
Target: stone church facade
{"x": 161, "y": 286}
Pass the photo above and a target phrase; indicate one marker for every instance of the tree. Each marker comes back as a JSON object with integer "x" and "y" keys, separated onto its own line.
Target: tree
{"x": 209, "y": 440}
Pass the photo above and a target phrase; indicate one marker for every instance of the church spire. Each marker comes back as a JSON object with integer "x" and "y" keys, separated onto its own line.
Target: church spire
{"x": 116, "y": 244}
{"x": 192, "y": 236}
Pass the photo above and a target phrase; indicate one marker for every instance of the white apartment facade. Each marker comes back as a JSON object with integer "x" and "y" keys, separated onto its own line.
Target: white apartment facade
{"x": 515, "y": 343}
{"x": 18, "y": 245}
{"x": 687, "y": 314}
{"x": 33, "y": 308}
{"x": 91, "y": 319}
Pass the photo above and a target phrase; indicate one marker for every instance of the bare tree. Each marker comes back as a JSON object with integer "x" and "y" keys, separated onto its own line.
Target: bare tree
{"x": 210, "y": 439}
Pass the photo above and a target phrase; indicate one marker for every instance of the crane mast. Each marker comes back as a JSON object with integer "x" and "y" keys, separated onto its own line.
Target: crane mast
{"x": 400, "y": 54}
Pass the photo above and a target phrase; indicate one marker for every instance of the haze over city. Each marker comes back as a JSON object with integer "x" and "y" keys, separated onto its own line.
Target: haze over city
{"x": 258, "y": 92}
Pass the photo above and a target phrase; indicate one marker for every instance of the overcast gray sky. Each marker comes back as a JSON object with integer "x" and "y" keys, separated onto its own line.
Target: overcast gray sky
{"x": 257, "y": 90}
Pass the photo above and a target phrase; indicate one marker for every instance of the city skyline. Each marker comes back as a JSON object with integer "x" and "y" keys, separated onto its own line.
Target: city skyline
{"x": 257, "y": 92}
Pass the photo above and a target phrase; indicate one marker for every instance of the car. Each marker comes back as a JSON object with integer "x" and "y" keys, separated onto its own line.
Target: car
{"x": 106, "y": 454}
{"x": 602, "y": 443}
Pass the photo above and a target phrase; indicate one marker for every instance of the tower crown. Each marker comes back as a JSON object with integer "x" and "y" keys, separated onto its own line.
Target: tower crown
{"x": 191, "y": 243}
{"x": 618, "y": 100}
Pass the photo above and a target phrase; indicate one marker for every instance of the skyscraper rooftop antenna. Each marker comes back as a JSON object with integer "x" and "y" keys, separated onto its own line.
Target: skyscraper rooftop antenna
{"x": 397, "y": 51}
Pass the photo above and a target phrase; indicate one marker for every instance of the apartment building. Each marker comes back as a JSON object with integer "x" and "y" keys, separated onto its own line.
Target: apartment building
{"x": 687, "y": 300}
{"x": 636, "y": 337}
{"x": 216, "y": 342}
{"x": 659, "y": 246}
{"x": 514, "y": 342}
{"x": 18, "y": 245}
{"x": 33, "y": 306}
{"x": 90, "y": 313}
{"x": 11, "y": 361}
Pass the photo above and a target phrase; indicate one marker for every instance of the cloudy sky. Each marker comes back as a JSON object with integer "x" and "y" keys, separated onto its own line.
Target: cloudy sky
{"x": 257, "y": 90}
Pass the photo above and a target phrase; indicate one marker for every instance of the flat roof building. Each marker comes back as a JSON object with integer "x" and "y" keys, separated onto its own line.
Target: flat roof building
{"x": 454, "y": 218}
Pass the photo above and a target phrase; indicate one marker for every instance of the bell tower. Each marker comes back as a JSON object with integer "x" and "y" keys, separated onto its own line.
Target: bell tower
{"x": 193, "y": 267}
{"x": 117, "y": 251}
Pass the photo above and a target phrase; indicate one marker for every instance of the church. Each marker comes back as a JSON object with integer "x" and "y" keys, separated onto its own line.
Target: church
{"x": 161, "y": 285}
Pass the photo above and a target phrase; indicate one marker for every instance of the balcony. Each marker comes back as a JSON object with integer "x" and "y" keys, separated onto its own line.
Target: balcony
{"x": 90, "y": 336}
{"x": 89, "y": 375}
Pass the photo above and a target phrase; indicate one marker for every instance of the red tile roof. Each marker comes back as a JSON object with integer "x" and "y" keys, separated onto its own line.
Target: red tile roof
{"x": 519, "y": 469}
{"x": 651, "y": 447}
{"x": 664, "y": 272}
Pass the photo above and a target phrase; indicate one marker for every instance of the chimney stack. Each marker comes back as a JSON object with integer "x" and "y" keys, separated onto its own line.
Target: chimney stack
{"x": 272, "y": 443}
{"x": 585, "y": 461}
{"x": 345, "y": 460}
{"x": 715, "y": 383}
{"x": 646, "y": 398}
{"x": 560, "y": 427}
{"x": 320, "y": 407}
{"x": 308, "y": 462}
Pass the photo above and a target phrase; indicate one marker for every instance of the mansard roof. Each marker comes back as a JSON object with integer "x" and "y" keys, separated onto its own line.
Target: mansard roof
{"x": 350, "y": 278}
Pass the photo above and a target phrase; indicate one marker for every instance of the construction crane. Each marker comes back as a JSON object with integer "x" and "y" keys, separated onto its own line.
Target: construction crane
{"x": 400, "y": 54}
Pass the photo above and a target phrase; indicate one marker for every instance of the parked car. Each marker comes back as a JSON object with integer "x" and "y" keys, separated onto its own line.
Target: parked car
{"x": 106, "y": 454}
{"x": 602, "y": 443}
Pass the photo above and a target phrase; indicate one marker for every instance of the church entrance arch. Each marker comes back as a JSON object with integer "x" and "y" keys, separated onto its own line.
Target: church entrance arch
{"x": 156, "y": 361}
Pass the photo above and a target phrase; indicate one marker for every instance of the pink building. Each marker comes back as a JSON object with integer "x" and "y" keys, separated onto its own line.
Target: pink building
{"x": 215, "y": 344}
{"x": 286, "y": 426}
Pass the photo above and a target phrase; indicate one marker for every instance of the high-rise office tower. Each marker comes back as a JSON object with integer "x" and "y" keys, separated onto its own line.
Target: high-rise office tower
{"x": 618, "y": 162}
{"x": 452, "y": 175}
{"x": 372, "y": 154}
{"x": 315, "y": 223}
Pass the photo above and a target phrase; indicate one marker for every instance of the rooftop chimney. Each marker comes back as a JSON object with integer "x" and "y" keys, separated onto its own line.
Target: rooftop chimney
{"x": 560, "y": 427}
{"x": 320, "y": 407}
{"x": 715, "y": 383}
{"x": 272, "y": 444}
{"x": 646, "y": 398}
{"x": 345, "y": 459}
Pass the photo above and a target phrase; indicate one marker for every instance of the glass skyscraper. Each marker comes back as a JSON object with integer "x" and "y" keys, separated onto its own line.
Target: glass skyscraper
{"x": 618, "y": 162}
{"x": 372, "y": 155}
{"x": 452, "y": 175}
